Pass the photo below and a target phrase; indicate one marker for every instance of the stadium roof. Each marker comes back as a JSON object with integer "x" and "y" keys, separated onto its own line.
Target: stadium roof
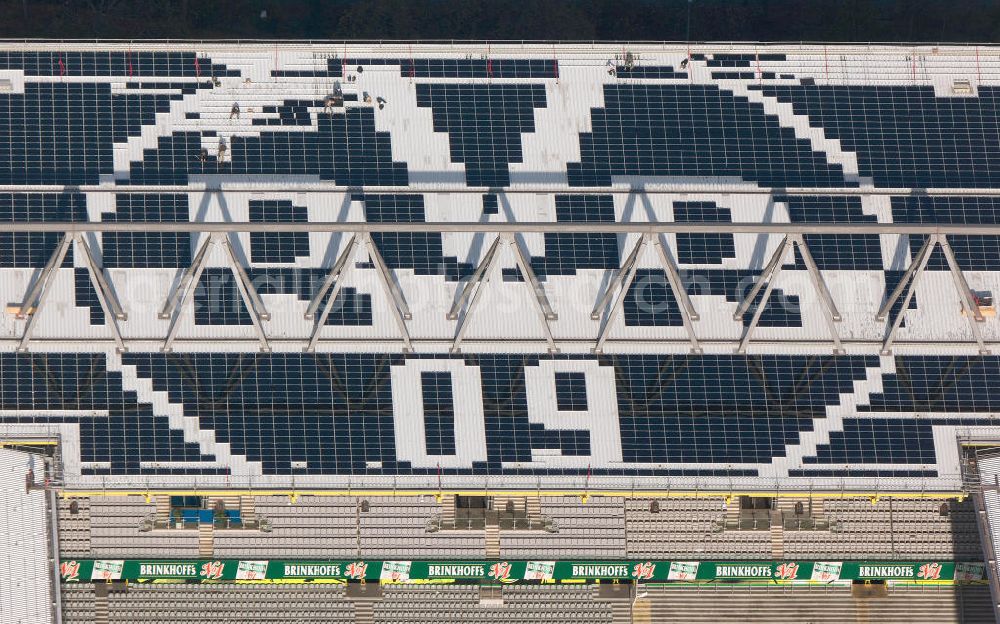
{"x": 500, "y": 265}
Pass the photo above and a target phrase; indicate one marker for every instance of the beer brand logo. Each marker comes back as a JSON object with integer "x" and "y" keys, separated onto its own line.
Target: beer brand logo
{"x": 357, "y": 570}
{"x": 930, "y": 571}
{"x": 644, "y": 571}
{"x": 69, "y": 570}
{"x": 212, "y": 570}
{"x": 787, "y": 571}
{"x": 500, "y": 571}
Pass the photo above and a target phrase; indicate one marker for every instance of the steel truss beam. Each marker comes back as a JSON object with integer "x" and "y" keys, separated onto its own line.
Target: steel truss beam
{"x": 545, "y": 227}
{"x": 649, "y": 233}
{"x": 484, "y": 273}
{"x": 623, "y": 281}
{"x": 35, "y": 298}
{"x": 648, "y": 188}
{"x": 173, "y": 308}
{"x": 397, "y": 302}
{"x": 831, "y": 315}
{"x": 333, "y": 283}
{"x": 909, "y": 282}
{"x": 342, "y": 267}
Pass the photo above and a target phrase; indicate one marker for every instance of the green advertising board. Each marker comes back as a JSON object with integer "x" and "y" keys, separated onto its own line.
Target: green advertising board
{"x": 89, "y": 570}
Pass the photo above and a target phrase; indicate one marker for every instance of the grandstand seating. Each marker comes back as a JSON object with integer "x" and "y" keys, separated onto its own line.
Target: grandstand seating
{"x": 592, "y": 530}
{"x": 815, "y": 605}
{"x": 550, "y": 604}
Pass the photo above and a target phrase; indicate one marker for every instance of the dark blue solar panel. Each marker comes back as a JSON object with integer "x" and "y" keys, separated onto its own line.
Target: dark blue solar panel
{"x": 278, "y": 247}
{"x": 878, "y": 441}
{"x": 904, "y": 136}
{"x": 565, "y": 253}
{"x": 86, "y": 296}
{"x": 217, "y": 300}
{"x": 33, "y": 249}
{"x": 703, "y": 248}
{"x": 142, "y": 250}
{"x": 63, "y": 133}
{"x": 419, "y": 251}
{"x": 946, "y": 209}
{"x": 484, "y": 123}
{"x": 694, "y": 130}
{"x": 129, "y": 433}
{"x": 109, "y": 63}
{"x": 290, "y": 113}
{"x": 439, "y": 412}
{"x": 849, "y": 252}
{"x": 725, "y": 408}
{"x": 490, "y": 204}
{"x": 334, "y": 411}
{"x": 743, "y": 75}
{"x": 972, "y": 252}
{"x": 571, "y": 391}
{"x": 650, "y": 301}
{"x": 462, "y": 68}
{"x": 345, "y": 148}
{"x": 649, "y": 72}
{"x": 939, "y": 384}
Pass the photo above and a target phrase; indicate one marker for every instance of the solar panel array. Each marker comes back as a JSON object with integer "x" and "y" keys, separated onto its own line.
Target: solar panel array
{"x": 160, "y": 131}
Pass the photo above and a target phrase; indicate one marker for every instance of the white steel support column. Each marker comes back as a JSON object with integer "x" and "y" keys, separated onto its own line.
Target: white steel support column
{"x": 109, "y": 303}
{"x": 341, "y": 269}
{"x": 832, "y": 314}
{"x": 251, "y": 299}
{"x": 544, "y": 308}
{"x": 688, "y": 314}
{"x": 255, "y": 305}
{"x": 904, "y": 280}
{"x": 617, "y": 280}
{"x": 765, "y": 276}
{"x": 969, "y": 304}
{"x": 39, "y": 292}
{"x": 331, "y": 277}
{"x": 771, "y": 275}
{"x": 477, "y": 277}
{"x": 174, "y": 307}
{"x": 624, "y": 279}
{"x": 30, "y": 301}
{"x": 920, "y": 262}
{"x": 397, "y": 304}
{"x": 170, "y": 306}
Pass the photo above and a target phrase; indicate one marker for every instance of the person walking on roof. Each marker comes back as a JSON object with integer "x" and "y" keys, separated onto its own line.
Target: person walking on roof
{"x": 222, "y": 151}
{"x": 235, "y": 111}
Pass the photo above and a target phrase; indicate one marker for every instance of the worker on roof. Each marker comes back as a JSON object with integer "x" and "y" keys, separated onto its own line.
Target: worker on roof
{"x": 222, "y": 150}
{"x": 331, "y": 102}
{"x": 203, "y": 156}
{"x": 235, "y": 110}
